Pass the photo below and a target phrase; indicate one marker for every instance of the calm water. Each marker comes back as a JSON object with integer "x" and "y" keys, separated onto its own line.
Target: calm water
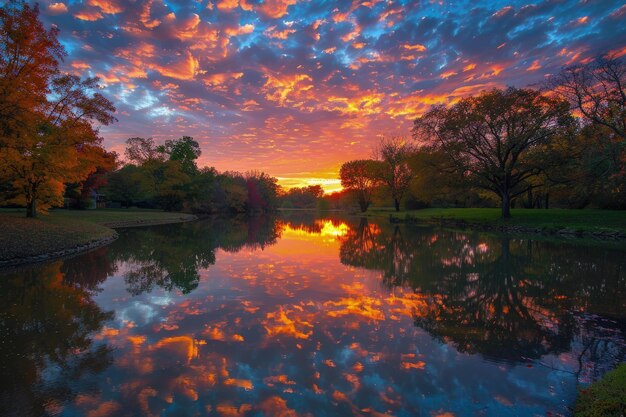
{"x": 310, "y": 317}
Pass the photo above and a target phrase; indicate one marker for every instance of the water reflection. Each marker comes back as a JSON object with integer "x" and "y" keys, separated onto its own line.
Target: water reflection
{"x": 507, "y": 299}
{"x": 169, "y": 257}
{"x": 47, "y": 321}
{"x": 305, "y": 316}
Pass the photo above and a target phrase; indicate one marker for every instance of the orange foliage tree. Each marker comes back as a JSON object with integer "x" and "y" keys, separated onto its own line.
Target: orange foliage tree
{"x": 48, "y": 134}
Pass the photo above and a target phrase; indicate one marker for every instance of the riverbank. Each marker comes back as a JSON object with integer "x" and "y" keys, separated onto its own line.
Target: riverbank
{"x": 600, "y": 224}
{"x": 68, "y": 232}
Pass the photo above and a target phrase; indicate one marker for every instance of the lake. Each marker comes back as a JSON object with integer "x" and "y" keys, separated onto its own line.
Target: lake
{"x": 311, "y": 316}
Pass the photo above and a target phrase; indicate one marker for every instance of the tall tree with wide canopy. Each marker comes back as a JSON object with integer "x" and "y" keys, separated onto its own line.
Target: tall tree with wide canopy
{"x": 48, "y": 135}
{"x": 488, "y": 137}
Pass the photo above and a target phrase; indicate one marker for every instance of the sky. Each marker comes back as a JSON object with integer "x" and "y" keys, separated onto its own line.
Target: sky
{"x": 295, "y": 88}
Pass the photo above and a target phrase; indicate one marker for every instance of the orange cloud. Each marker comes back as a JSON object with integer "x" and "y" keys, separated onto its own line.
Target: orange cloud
{"x": 280, "y": 88}
{"x": 416, "y": 47}
{"x": 88, "y": 15}
{"x": 107, "y": 6}
{"x": 274, "y": 8}
{"x": 57, "y": 8}
{"x": 227, "y": 4}
{"x": 534, "y": 66}
{"x": 184, "y": 69}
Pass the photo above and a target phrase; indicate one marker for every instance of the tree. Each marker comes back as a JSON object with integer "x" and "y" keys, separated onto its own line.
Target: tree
{"x": 302, "y": 197}
{"x": 29, "y": 56}
{"x": 597, "y": 90}
{"x": 487, "y": 137}
{"x": 184, "y": 150}
{"x": 81, "y": 193}
{"x": 262, "y": 192}
{"x": 140, "y": 150}
{"x": 436, "y": 182}
{"x": 127, "y": 186}
{"x": 359, "y": 177}
{"x": 48, "y": 134}
{"x": 60, "y": 146}
{"x": 171, "y": 184}
{"x": 394, "y": 171}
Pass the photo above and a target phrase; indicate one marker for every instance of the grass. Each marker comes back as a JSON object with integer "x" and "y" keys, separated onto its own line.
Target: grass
{"x": 604, "y": 398}
{"x": 546, "y": 220}
{"x": 61, "y": 230}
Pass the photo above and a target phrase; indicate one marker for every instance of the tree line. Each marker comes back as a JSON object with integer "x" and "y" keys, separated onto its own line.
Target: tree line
{"x": 167, "y": 177}
{"x": 562, "y": 144}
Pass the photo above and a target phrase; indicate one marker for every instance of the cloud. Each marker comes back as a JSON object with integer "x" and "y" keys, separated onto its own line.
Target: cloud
{"x": 286, "y": 83}
{"x": 56, "y": 8}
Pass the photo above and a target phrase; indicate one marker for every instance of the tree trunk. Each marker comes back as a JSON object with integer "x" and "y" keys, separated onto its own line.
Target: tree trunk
{"x": 506, "y": 205}
{"x": 31, "y": 208}
{"x": 397, "y": 204}
{"x": 530, "y": 203}
{"x": 547, "y": 200}
{"x": 363, "y": 206}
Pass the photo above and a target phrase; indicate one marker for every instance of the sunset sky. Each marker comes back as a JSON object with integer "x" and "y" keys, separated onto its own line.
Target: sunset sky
{"x": 296, "y": 87}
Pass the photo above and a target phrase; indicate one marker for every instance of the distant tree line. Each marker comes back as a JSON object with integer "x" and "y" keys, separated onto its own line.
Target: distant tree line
{"x": 167, "y": 177}
{"x": 562, "y": 145}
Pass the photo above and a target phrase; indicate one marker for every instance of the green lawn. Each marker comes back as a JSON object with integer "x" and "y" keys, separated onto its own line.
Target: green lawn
{"x": 552, "y": 219}
{"x": 604, "y": 398}
{"x": 60, "y": 230}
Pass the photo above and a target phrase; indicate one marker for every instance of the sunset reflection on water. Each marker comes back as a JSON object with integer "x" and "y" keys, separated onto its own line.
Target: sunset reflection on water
{"x": 333, "y": 317}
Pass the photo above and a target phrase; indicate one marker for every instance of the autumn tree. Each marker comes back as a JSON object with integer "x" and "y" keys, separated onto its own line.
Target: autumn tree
{"x": 29, "y": 56}
{"x": 262, "y": 193}
{"x": 50, "y": 139}
{"x": 487, "y": 137}
{"x": 394, "y": 171}
{"x": 61, "y": 146}
{"x": 359, "y": 177}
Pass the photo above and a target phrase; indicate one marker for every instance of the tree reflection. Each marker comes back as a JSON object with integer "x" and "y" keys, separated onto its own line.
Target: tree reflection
{"x": 507, "y": 299}
{"x": 170, "y": 256}
{"x": 47, "y": 323}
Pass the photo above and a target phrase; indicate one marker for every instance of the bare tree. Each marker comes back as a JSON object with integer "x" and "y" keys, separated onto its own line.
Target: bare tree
{"x": 394, "y": 170}
{"x": 597, "y": 90}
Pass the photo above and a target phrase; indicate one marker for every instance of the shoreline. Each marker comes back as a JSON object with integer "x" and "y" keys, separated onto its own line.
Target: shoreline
{"x": 110, "y": 237}
{"x": 565, "y": 229}
{"x": 565, "y": 233}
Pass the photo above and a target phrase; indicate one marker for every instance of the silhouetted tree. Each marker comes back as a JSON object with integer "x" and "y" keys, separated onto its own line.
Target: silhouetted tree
{"x": 359, "y": 177}
{"x": 394, "y": 171}
{"x": 488, "y": 136}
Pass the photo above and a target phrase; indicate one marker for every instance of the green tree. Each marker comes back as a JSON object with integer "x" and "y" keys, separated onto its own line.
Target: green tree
{"x": 184, "y": 150}
{"x": 127, "y": 186}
